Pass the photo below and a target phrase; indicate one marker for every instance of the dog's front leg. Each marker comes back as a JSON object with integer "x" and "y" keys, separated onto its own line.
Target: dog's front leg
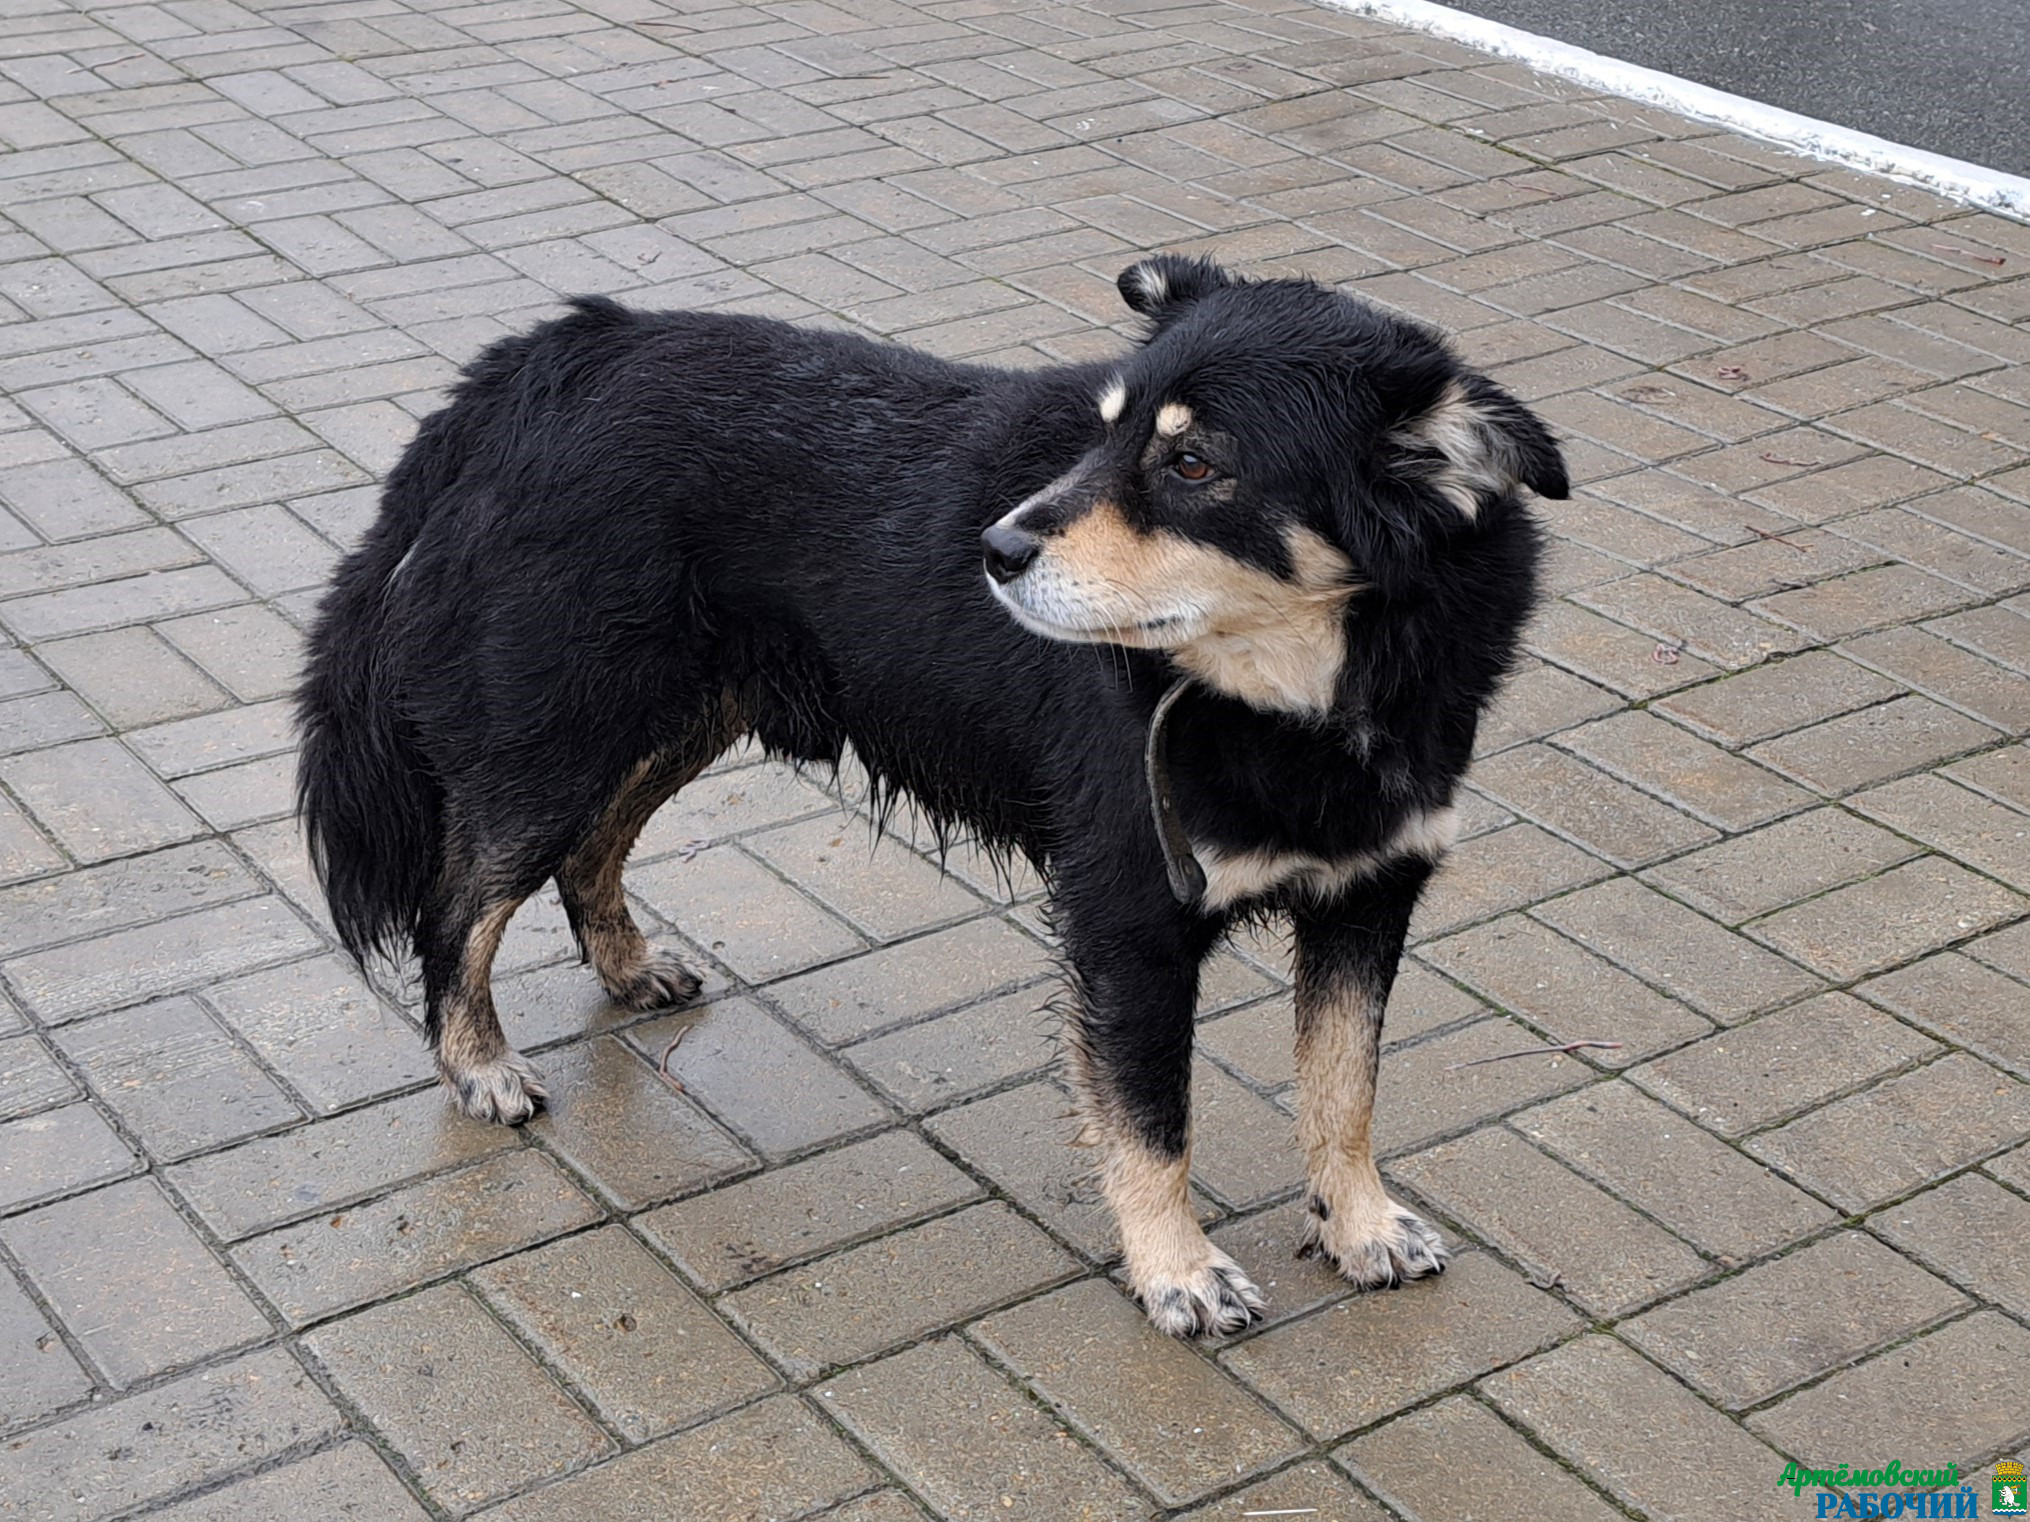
{"x": 1347, "y": 953}
{"x": 1136, "y": 988}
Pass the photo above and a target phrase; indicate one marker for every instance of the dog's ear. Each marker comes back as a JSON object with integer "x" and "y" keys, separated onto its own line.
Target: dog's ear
{"x": 1162, "y": 286}
{"x": 1477, "y": 438}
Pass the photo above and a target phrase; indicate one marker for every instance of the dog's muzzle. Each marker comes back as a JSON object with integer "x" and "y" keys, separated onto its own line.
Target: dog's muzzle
{"x": 1008, "y": 552}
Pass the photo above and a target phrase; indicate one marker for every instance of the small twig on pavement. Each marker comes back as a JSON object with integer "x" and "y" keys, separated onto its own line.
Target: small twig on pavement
{"x": 1777, "y": 459}
{"x": 1966, "y": 253}
{"x": 1534, "y": 1051}
{"x": 663, "y": 1067}
{"x": 1288, "y": 1511}
{"x": 1763, "y": 533}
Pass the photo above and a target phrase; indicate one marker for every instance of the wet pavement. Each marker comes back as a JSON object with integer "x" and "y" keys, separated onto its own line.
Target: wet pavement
{"x": 1757, "y": 806}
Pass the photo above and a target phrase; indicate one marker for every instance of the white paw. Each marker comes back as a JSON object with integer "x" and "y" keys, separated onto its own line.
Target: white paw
{"x": 1376, "y": 1246}
{"x": 1212, "y": 1299}
{"x": 507, "y": 1089}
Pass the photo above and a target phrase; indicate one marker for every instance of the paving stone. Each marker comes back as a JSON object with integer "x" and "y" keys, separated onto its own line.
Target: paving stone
{"x": 1420, "y": 1097}
{"x": 1775, "y": 698}
{"x": 1963, "y": 1002}
{"x": 772, "y": 1459}
{"x": 1305, "y": 1488}
{"x": 1697, "y": 1186}
{"x": 192, "y": 1431}
{"x": 175, "y": 1078}
{"x": 735, "y": 908}
{"x": 1364, "y": 1358}
{"x": 872, "y": 1298}
{"x": 1458, "y": 1461}
{"x": 58, "y": 1152}
{"x": 1779, "y": 864}
{"x": 1782, "y": 1323}
{"x": 1696, "y": 776}
{"x": 131, "y": 965}
{"x": 968, "y": 1442}
{"x": 640, "y": 1348}
{"x": 1140, "y": 1395}
{"x": 348, "y": 1482}
{"x": 471, "y": 1414}
{"x": 757, "y": 1078}
{"x": 885, "y": 893}
{"x": 741, "y": 1231}
{"x": 319, "y": 1026}
{"x": 30, "y": 1078}
{"x": 119, "y": 894}
{"x": 41, "y": 1375}
{"x": 1990, "y": 692}
{"x": 1717, "y": 973}
{"x": 1984, "y": 834}
{"x": 1540, "y": 700}
{"x": 1904, "y": 1133}
{"x": 1265, "y": 1245}
{"x": 1876, "y": 743}
{"x": 1906, "y": 912}
{"x": 901, "y": 983}
{"x": 1782, "y": 1064}
{"x": 332, "y": 1163}
{"x": 927, "y": 1066}
{"x": 1606, "y": 816}
{"x": 1549, "y": 980}
{"x": 1564, "y": 1232}
{"x": 84, "y": 1255}
{"x": 1911, "y": 1390}
{"x": 1022, "y": 1140}
{"x": 1499, "y": 871}
{"x": 1967, "y": 1229}
{"x": 332, "y": 1263}
{"x": 603, "y": 1098}
{"x": 97, "y": 800}
{"x": 132, "y": 677}
{"x": 1637, "y": 1433}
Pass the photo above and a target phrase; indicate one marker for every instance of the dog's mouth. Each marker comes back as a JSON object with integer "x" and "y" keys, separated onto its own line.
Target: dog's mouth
{"x": 1087, "y": 625}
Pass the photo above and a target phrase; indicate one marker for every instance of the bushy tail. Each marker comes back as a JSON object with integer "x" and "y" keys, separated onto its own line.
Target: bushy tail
{"x": 372, "y": 808}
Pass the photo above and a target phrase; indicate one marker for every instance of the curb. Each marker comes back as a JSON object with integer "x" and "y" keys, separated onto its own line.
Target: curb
{"x": 1973, "y": 184}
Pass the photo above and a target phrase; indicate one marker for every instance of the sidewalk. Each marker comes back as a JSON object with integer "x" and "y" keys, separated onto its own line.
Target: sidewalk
{"x": 1758, "y": 807}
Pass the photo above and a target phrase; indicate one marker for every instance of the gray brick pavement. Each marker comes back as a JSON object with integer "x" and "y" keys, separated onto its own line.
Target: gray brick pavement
{"x": 1756, "y": 806}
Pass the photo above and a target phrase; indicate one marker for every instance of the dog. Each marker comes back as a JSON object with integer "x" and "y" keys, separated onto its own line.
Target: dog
{"x": 1293, "y": 523}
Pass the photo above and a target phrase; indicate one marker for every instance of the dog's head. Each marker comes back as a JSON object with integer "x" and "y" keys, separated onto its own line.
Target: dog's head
{"x": 1272, "y": 452}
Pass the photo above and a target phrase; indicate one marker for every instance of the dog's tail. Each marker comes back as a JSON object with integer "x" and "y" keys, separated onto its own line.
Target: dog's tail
{"x": 372, "y": 807}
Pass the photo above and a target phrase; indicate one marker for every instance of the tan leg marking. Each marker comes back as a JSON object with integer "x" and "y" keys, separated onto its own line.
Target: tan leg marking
{"x": 489, "y": 1079}
{"x": 1374, "y": 1241}
{"x": 633, "y": 972}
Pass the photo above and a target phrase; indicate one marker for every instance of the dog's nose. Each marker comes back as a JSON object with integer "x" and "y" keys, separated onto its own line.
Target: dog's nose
{"x": 1008, "y": 551}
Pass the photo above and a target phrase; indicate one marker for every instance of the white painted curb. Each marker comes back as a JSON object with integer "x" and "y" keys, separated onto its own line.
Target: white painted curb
{"x": 1978, "y": 186}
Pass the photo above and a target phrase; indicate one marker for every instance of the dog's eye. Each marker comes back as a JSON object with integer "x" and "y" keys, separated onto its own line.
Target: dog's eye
{"x": 1190, "y": 467}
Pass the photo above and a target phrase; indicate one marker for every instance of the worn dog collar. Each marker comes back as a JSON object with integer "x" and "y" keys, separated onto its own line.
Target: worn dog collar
{"x": 1187, "y": 877}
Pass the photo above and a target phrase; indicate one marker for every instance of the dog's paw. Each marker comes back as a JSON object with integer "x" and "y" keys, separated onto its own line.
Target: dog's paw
{"x": 658, "y": 981}
{"x": 508, "y": 1089}
{"x": 1376, "y": 1247}
{"x": 1211, "y": 1300}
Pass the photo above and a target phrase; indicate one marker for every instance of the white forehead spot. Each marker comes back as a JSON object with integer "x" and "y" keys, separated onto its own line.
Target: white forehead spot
{"x": 1113, "y": 401}
{"x": 1172, "y": 419}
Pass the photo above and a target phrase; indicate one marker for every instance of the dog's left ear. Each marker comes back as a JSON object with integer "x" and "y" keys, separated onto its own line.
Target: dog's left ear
{"x": 1164, "y": 285}
{"x": 1477, "y": 438}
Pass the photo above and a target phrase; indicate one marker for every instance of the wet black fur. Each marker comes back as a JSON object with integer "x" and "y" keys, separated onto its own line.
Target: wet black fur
{"x": 622, "y": 516}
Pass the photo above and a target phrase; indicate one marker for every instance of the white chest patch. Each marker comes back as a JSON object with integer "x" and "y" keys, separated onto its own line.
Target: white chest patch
{"x": 1237, "y": 877}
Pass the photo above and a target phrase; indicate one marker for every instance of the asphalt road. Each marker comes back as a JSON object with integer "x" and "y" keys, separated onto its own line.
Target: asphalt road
{"x": 1952, "y": 76}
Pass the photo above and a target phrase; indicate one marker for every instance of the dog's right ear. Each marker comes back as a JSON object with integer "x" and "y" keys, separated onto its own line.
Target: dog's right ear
{"x": 1163, "y": 286}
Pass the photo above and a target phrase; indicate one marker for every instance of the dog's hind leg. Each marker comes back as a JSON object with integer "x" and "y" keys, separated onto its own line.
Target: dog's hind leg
{"x": 460, "y": 933}
{"x": 633, "y": 972}
{"x": 1346, "y": 964}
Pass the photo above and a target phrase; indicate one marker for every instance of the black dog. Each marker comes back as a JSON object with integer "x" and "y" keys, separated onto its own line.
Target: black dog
{"x": 632, "y": 539}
